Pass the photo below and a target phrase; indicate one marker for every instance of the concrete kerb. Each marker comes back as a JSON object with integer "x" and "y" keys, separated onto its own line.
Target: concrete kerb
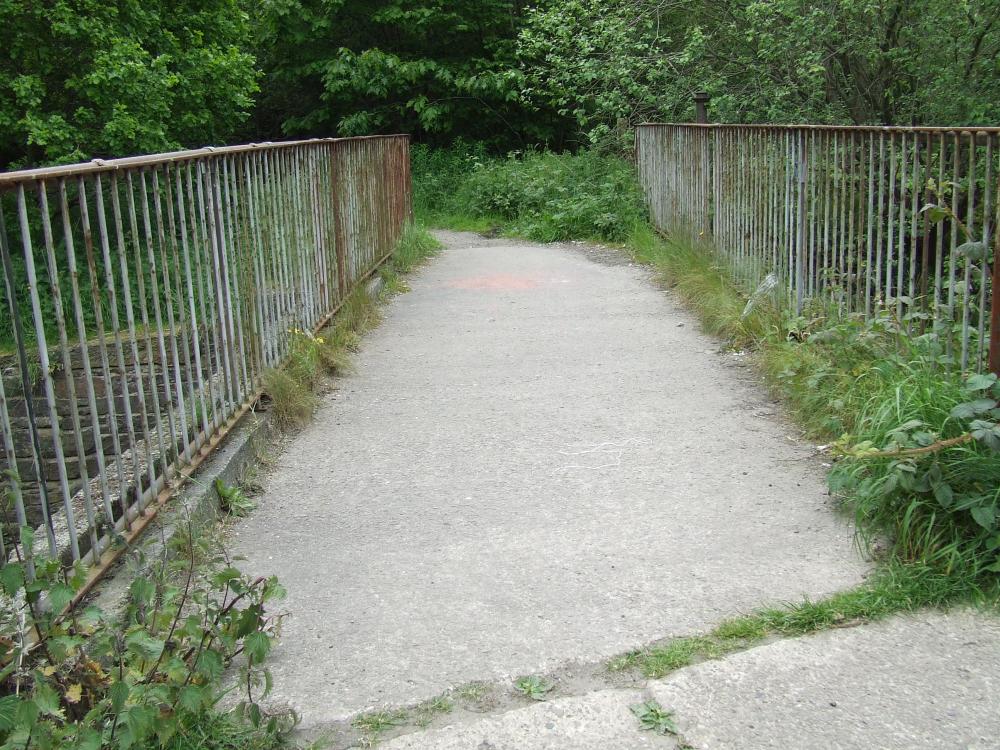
{"x": 194, "y": 508}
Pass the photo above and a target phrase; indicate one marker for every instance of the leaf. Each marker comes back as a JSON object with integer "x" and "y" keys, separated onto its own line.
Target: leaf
{"x": 981, "y": 382}
{"x": 935, "y": 213}
{"x": 144, "y": 645}
{"x": 47, "y": 700}
{"x": 971, "y": 409}
{"x": 90, "y": 739}
{"x": 257, "y": 646}
{"x": 193, "y": 698}
{"x": 141, "y": 720}
{"x": 8, "y": 712}
{"x": 60, "y": 595}
{"x": 974, "y": 251}
{"x": 943, "y": 494}
{"x": 985, "y": 516}
{"x": 27, "y": 538}
{"x": 119, "y": 694}
{"x": 73, "y": 693}
{"x": 210, "y": 664}
{"x": 11, "y": 578}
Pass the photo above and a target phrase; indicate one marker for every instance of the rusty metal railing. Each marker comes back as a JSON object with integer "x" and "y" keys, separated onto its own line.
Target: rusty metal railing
{"x": 864, "y": 220}
{"x": 145, "y": 299}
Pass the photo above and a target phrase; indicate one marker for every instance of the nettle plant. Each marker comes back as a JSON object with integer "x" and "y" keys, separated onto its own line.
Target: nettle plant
{"x": 144, "y": 677}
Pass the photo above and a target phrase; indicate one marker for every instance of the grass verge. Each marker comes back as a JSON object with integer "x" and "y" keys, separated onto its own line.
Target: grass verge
{"x": 292, "y": 388}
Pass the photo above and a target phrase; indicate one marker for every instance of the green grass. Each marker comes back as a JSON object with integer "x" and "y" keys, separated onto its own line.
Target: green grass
{"x": 540, "y": 195}
{"x": 229, "y": 731}
{"x": 893, "y": 588}
{"x": 292, "y": 387}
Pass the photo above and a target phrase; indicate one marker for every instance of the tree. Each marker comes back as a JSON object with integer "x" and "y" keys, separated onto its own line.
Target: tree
{"x": 825, "y": 61}
{"x": 436, "y": 68}
{"x": 86, "y": 78}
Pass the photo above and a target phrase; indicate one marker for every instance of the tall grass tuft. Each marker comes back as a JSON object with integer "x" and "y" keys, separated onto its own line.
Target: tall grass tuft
{"x": 292, "y": 388}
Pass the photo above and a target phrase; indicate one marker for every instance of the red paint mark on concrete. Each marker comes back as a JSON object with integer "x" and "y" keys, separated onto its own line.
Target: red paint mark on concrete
{"x": 498, "y": 282}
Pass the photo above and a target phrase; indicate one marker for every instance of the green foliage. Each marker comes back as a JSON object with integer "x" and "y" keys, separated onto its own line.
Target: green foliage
{"x": 542, "y": 196}
{"x": 149, "y": 678}
{"x": 837, "y": 61}
{"x": 653, "y": 718}
{"x": 420, "y": 66}
{"x": 84, "y": 79}
{"x": 233, "y": 500}
{"x": 534, "y": 687}
{"x": 415, "y": 247}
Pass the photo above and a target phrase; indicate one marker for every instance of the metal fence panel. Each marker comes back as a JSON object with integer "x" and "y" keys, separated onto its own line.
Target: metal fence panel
{"x": 863, "y": 220}
{"x": 144, "y": 300}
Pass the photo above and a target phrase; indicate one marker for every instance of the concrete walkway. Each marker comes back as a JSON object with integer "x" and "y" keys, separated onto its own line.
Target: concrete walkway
{"x": 539, "y": 461}
{"x": 913, "y": 683}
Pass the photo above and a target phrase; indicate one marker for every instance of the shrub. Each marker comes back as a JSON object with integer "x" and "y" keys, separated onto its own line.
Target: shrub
{"x": 149, "y": 678}
{"x": 543, "y": 196}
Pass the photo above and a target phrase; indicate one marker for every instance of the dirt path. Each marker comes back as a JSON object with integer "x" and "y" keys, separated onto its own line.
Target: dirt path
{"x": 539, "y": 461}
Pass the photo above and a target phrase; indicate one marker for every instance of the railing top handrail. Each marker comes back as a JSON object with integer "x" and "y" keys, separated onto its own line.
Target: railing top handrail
{"x": 12, "y": 179}
{"x": 847, "y": 128}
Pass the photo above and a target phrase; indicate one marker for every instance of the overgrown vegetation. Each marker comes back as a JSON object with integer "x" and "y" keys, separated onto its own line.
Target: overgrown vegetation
{"x": 540, "y": 195}
{"x": 149, "y": 676}
{"x": 507, "y": 73}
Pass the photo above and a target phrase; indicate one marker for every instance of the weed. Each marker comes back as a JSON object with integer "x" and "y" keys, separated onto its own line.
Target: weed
{"x": 425, "y": 712}
{"x": 415, "y": 247}
{"x": 232, "y": 500}
{"x": 653, "y": 718}
{"x": 680, "y": 652}
{"x": 373, "y": 724}
{"x": 149, "y": 677}
{"x": 292, "y": 402}
{"x": 534, "y": 687}
{"x": 472, "y": 692}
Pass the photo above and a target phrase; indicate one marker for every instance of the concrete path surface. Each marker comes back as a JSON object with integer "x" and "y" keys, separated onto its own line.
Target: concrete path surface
{"x": 912, "y": 683}
{"x": 538, "y": 461}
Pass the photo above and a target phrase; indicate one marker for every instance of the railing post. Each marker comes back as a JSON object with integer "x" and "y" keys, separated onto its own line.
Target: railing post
{"x": 701, "y": 99}
{"x": 995, "y": 306}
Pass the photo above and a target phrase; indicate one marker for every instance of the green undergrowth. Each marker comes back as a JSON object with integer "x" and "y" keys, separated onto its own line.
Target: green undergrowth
{"x": 894, "y": 588}
{"x": 150, "y": 673}
{"x": 292, "y": 388}
{"x": 539, "y": 195}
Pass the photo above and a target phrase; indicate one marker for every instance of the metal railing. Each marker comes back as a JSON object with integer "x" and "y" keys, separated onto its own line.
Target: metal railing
{"x": 866, "y": 220}
{"x": 147, "y": 297}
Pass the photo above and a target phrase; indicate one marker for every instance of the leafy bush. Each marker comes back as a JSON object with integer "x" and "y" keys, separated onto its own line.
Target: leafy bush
{"x": 543, "y": 196}
{"x": 149, "y": 678}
